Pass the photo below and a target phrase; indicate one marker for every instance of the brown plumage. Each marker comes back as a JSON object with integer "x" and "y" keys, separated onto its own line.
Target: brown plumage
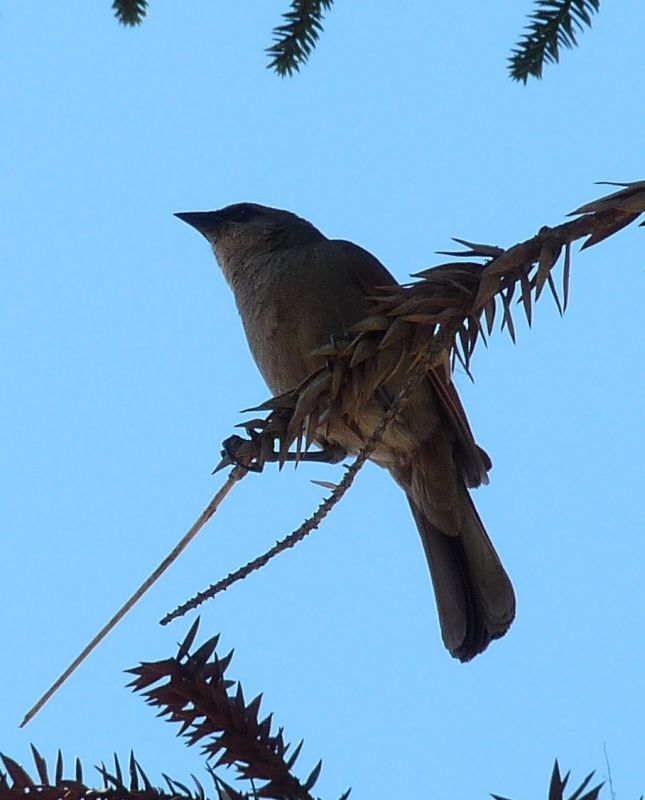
{"x": 295, "y": 290}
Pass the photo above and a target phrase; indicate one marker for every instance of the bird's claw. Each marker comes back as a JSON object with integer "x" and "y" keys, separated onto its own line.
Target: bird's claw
{"x": 241, "y": 452}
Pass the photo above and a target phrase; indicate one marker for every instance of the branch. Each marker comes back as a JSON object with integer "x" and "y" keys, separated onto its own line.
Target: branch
{"x": 196, "y": 694}
{"x": 240, "y": 728}
{"x": 409, "y": 331}
{"x": 312, "y": 523}
{"x": 235, "y": 475}
{"x": 452, "y": 306}
{"x": 554, "y": 24}
{"x": 130, "y": 12}
{"x": 294, "y": 40}
{"x": 48, "y": 784}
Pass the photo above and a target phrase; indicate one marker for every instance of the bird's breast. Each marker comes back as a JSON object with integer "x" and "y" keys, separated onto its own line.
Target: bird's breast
{"x": 289, "y": 309}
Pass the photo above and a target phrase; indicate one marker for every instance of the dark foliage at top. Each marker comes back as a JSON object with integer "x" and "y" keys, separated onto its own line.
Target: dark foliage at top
{"x": 130, "y": 12}
{"x": 553, "y": 24}
{"x": 294, "y": 40}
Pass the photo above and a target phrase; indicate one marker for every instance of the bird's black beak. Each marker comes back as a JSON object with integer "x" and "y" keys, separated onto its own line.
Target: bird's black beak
{"x": 206, "y": 222}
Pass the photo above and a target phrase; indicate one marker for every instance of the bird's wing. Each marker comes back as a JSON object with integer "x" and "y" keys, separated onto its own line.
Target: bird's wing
{"x": 474, "y": 462}
{"x": 366, "y": 268}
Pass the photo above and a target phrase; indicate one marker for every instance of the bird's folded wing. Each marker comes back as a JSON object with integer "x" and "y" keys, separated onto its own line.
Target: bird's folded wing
{"x": 474, "y": 461}
{"x": 369, "y": 274}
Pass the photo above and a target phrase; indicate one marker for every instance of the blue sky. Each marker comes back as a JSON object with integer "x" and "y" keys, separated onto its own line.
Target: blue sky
{"x": 124, "y": 366}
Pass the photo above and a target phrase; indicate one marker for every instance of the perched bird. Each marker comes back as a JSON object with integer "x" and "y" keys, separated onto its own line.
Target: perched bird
{"x": 295, "y": 290}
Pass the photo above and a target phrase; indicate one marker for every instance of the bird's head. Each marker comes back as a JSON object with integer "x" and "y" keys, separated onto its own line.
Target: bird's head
{"x": 243, "y": 230}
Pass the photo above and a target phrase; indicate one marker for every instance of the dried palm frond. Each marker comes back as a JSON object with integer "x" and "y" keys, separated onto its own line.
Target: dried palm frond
{"x": 191, "y": 689}
{"x": 134, "y": 784}
{"x": 196, "y": 694}
{"x": 450, "y": 308}
{"x": 411, "y": 329}
{"x": 17, "y": 784}
{"x": 558, "y": 784}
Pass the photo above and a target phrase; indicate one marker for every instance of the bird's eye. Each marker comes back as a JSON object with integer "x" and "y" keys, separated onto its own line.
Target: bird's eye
{"x": 239, "y": 213}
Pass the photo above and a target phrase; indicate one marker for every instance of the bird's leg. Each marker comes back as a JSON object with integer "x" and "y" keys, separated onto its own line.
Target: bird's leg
{"x": 329, "y": 454}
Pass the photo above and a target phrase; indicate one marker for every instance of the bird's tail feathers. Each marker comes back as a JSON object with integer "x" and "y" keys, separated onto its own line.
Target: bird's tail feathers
{"x": 475, "y": 598}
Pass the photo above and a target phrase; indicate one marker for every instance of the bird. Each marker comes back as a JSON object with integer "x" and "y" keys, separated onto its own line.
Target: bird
{"x": 295, "y": 290}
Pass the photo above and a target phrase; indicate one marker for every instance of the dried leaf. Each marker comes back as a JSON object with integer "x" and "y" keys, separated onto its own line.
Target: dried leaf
{"x": 630, "y": 198}
{"x": 398, "y": 330}
{"x": 582, "y": 787}
{"x": 554, "y": 294}
{"x": 203, "y": 653}
{"x": 134, "y": 777}
{"x": 18, "y": 775}
{"x": 422, "y": 319}
{"x": 507, "y": 320}
{"x": 501, "y": 267}
{"x": 557, "y": 784}
{"x": 41, "y": 766}
{"x": 364, "y": 349}
{"x": 117, "y": 771}
{"x": 311, "y": 430}
{"x": 294, "y": 756}
{"x": 325, "y": 484}
{"x": 621, "y": 221}
{"x": 594, "y": 793}
{"x": 59, "y": 769}
{"x": 313, "y": 777}
{"x": 549, "y": 255}
{"x": 185, "y": 646}
{"x": 478, "y": 249}
{"x": 330, "y": 350}
{"x": 373, "y": 324}
{"x": 566, "y": 272}
{"x": 253, "y": 708}
{"x": 489, "y": 311}
{"x": 310, "y": 392}
{"x": 526, "y": 296}
{"x": 144, "y": 778}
